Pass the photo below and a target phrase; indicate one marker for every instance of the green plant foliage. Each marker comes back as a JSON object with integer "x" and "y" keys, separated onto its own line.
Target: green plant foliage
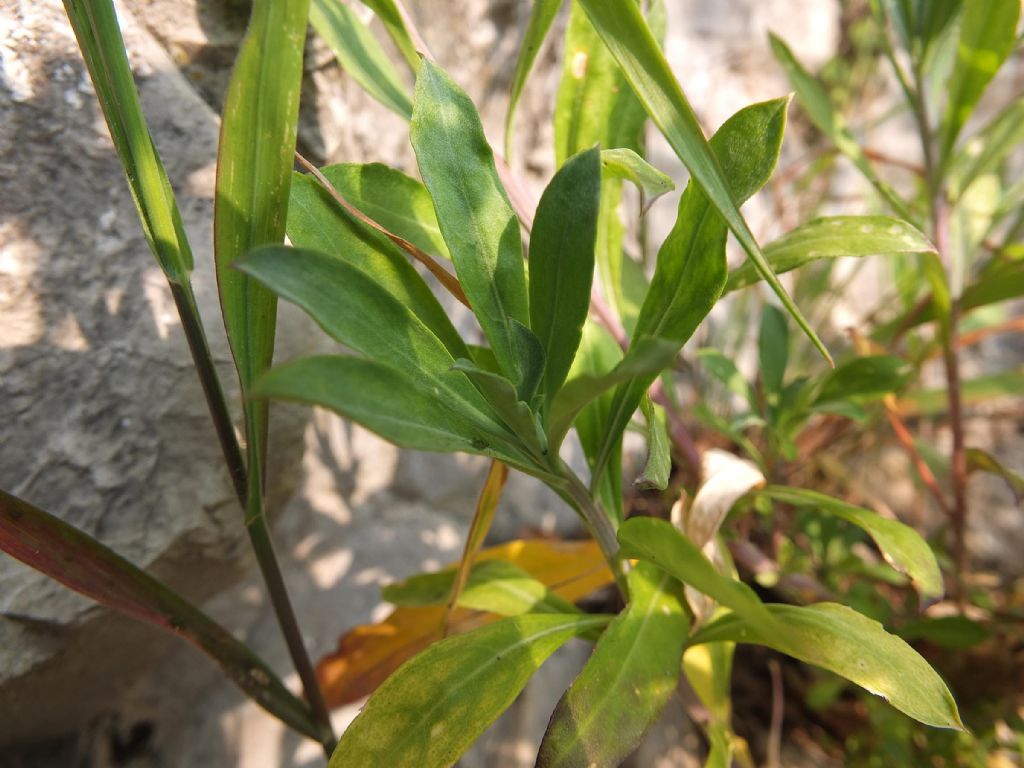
{"x": 660, "y": 543}
{"x": 493, "y": 585}
{"x": 833, "y": 238}
{"x": 542, "y": 16}
{"x": 627, "y": 164}
{"x": 475, "y": 215}
{"x": 901, "y": 546}
{"x": 988, "y": 32}
{"x": 397, "y": 202}
{"x": 359, "y": 54}
{"x": 691, "y": 269}
{"x": 83, "y": 564}
{"x": 562, "y": 264}
{"x": 629, "y": 38}
{"x": 627, "y": 681}
{"x": 864, "y": 378}
{"x": 315, "y": 222}
{"x": 99, "y": 37}
{"x": 843, "y": 641}
{"x": 390, "y": 16}
{"x": 428, "y": 712}
{"x": 814, "y": 99}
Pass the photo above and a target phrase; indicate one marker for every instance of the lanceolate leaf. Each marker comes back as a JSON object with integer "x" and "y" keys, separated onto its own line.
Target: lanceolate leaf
{"x": 358, "y": 312}
{"x": 389, "y": 15}
{"x": 691, "y": 268}
{"x": 984, "y": 152}
{"x": 988, "y": 30}
{"x": 595, "y": 106}
{"x": 360, "y": 54}
{"x": 497, "y": 586}
{"x": 983, "y": 461}
{"x": 624, "y": 31}
{"x": 541, "y": 17}
{"x": 83, "y": 564}
{"x": 627, "y": 681}
{"x": 816, "y": 102}
{"x": 399, "y": 203}
{"x": 627, "y": 164}
{"x": 853, "y": 646}
{"x": 391, "y": 401}
{"x": 659, "y": 542}
{"x": 594, "y": 103}
{"x": 99, "y": 37}
{"x": 901, "y": 546}
{"x": 474, "y": 212}
{"x": 436, "y": 705}
{"x": 646, "y": 357}
{"x": 866, "y": 377}
{"x": 562, "y": 264}
{"x": 503, "y": 398}
{"x": 658, "y": 468}
{"x": 254, "y": 164}
{"x": 833, "y": 238}
{"x": 316, "y": 222}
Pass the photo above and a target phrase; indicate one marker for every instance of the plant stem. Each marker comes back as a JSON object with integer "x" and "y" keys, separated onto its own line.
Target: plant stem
{"x": 939, "y": 209}
{"x": 599, "y": 524}
{"x": 256, "y": 522}
{"x": 191, "y": 323}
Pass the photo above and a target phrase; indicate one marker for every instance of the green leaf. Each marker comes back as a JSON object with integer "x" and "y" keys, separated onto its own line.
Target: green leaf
{"x": 254, "y": 171}
{"x": 816, "y": 102}
{"x": 658, "y": 469}
{"x": 691, "y": 268}
{"x": 390, "y": 401}
{"x": 495, "y": 586}
{"x": 868, "y": 377}
{"x": 316, "y": 222}
{"x": 474, "y": 212}
{"x": 626, "y": 683}
{"x": 624, "y": 31}
{"x": 853, "y": 646}
{"x": 437, "y": 704}
{"x": 627, "y": 164}
{"x": 832, "y": 238}
{"x": 988, "y": 30}
{"x": 1002, "y": 282}
{"x": 900, "y": 545}
{"x": 594, "y": 104}
{"x": 361, "y": 314}
{"x": 389, "y": 15}
{"x": 397, "y": 202}
{"x": 79, "y": 562}
{"x": 661, "y": 543}
{"x": 983, "y": 152}
{"x": 360, "y": 54}
{"x": 562, "y": 264}
{"x": 541, "y": 17}
{"x": 773, "y": 349}
{"x": 983, "y": 461}
{"x": 977, "y": 390}
{"x": 645, "y": 357}
{"x": 502, "y": 396}
{"x": 99, "y": 38}
{"x": 958, "y": 632}
{"x": 724, "y": 370}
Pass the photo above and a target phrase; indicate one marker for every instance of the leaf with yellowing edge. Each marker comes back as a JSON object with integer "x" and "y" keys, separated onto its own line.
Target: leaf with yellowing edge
{"x": 368, "y": 653}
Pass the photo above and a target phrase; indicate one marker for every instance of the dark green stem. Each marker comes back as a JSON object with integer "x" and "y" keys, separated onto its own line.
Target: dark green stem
{"x": 251, "y": 500}
{"x": 192, "y": 324}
